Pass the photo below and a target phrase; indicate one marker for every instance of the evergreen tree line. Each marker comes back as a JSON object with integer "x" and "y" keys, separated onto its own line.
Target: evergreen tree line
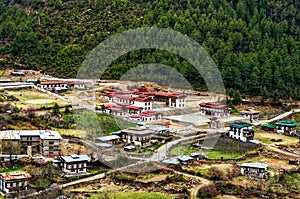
{"x": 255, "y": 43}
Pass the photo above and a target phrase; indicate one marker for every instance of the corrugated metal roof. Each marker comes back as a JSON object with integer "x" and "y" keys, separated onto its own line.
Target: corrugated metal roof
{"x": 76, "y": 158}
{"x": 254, "y": 165}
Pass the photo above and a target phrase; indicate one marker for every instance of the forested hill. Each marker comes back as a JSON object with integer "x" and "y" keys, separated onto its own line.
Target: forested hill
{"x": 254, "y": 43}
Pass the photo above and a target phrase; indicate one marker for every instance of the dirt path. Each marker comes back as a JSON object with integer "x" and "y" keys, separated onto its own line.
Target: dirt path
{"x": 285, "y": 153}
{"x": 194, "y": 191}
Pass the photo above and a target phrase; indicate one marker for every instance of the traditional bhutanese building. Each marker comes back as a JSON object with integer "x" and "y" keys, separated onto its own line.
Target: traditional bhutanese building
{"x": 15, "y": 181}
{"x": 252, "y": 115}
{"x": 241, "y": 131}
{"x": 213, "y": 109}
{"x": 286, "y": 126}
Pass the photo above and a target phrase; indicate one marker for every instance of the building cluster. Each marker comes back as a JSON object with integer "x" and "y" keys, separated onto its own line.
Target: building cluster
{"x": 59, "y": 86}
{"x": 15, "y": 142}
{"x": 138, "y": 103}
{"x": 135, "y": 136}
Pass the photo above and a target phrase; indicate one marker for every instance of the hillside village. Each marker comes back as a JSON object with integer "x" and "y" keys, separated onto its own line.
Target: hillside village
{"x": 172, "y": 143}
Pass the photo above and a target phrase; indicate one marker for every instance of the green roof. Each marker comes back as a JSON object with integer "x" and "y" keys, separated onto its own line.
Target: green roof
{"x": 287, "y": 123}
{"x": 240, "y": 124}
{"x": 269, "y": 126}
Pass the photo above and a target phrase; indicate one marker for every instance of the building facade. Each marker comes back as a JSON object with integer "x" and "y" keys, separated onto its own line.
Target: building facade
{"x": 44, "y": 142}
{"x": 252, "y": 115}
{"x": 213, "y": 109}
{"x": 241, "y": 131}
{"x": 286, "y": 127}
{"x": 73, "y": 164}
{"x": 254, "y": 170}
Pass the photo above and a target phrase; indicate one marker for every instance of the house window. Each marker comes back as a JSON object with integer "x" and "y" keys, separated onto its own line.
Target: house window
{"x": 14, "y": 184}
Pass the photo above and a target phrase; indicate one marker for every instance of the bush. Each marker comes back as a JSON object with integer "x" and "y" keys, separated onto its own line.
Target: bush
{"x": 215, "y": 173}
{"x": 208, "y": 191}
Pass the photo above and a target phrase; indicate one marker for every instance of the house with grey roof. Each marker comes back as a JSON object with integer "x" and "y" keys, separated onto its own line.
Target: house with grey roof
{"x": 254, "y": 170}
{"x": 73, "y": 164}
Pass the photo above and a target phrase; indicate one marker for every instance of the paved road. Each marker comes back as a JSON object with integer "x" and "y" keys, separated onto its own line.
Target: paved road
{"x": 279, "y": 117}
{"x": 15, "y": 85}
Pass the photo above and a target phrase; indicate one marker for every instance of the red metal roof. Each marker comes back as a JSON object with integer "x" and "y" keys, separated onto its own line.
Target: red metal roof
{"x": 213, "y": 105}
{"x": 149, "y": 113}
{"x": 135, "y": 116}
{"x": 134, "y": 107}
{"x": 15, "y": 175}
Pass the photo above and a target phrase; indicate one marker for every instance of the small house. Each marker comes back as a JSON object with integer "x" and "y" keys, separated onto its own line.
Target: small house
{"x": 185, "y": 159}
{"x": 74, "y": 164}
{"x": 198, "y": 155}
{"x": 286, "y": 126}
{"x": 15, "y": 181}
{"x": 252, "y": 115}
{"x": 214, "y": 122}
{"x": 254, "y": 170}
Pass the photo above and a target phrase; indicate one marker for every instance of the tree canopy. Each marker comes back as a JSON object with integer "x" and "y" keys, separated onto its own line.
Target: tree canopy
{"x": 255, "y": 43}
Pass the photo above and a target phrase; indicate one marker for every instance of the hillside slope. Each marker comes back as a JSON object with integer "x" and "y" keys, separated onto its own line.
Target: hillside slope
{"x": 254, "y": 43}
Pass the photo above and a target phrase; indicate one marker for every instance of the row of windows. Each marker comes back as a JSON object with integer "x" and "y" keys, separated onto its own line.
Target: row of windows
{"x": 14, "y": 184}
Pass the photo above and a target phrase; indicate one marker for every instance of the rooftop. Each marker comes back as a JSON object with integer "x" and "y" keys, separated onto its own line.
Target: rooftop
{"x": 76, "y": 158}
{"x": 213, "y": 105}
{"x": 251, "y": 112}
{"x": 254, "y": 165}
{"x": 138, "y": 131}
{"x": 170, "y": 161}
{"x": 287, "y": 123}
{"x": 268, "y": 126}
{"x": 184, "y": 158}
{"x": 15, "y": 175}
{"x": 240, "y": 124}
{"x": 107, "y": 138}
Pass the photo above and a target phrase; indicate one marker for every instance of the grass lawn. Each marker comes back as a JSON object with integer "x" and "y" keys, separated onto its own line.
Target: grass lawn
{"x": 218, "y": 154}
{"x": 11, "y": 169}
{"x": 138, "y": 195}
{"x": 185, "y": 150}
{"x": 1, "y": 72}
{"x": 149, "y": 176}
{"x": 71, "y": 132}
{"x": 41, "y": 182}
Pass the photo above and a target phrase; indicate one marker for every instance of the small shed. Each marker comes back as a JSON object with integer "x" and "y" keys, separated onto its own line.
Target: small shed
{"x": 268, "y": 127}
{"x": 185, "y": 159}
{"x": 198, "y": 155}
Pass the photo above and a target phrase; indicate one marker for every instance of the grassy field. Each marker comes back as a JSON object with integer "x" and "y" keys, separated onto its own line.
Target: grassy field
{"x": 214, "y": 154}
{"x": 1, "y": 72}
{"x": 71, "y": 132}
{"x": 182, "y": 150}
{"x": 10, "y": 169}
{"x": 138, "y": 195}
{"x": 266, "y": 138}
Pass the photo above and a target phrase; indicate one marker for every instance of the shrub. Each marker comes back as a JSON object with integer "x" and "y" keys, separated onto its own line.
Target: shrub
{"x": 215, "y": 173}
{"x": 208, "y": 191}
